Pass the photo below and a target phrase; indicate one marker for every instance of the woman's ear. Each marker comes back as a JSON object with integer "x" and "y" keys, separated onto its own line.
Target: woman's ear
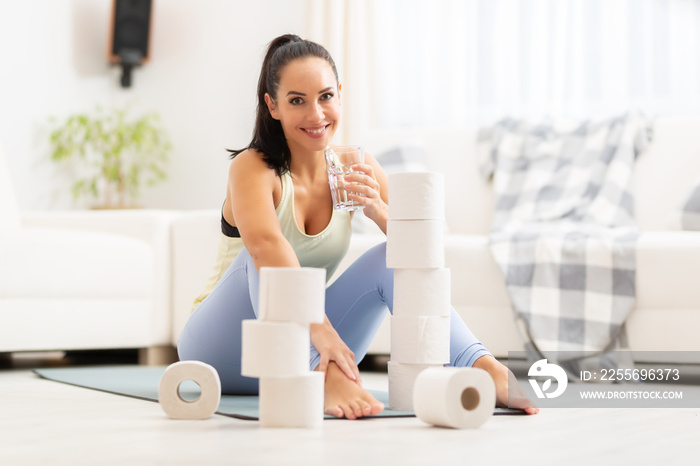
{"x": 271, "y": 106}
{"x": 340, "y": 86}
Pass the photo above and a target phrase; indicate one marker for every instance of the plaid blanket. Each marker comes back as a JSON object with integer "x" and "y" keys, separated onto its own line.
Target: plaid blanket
{"x": 563, "y": 233}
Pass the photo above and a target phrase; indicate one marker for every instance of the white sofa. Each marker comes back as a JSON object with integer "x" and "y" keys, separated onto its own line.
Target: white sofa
{"x": 84, "y": 280}
{"x": 90, "y": 280}
{"x": 667, "y": 313}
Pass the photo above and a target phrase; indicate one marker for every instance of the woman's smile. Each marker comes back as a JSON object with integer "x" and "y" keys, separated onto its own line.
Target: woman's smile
{"x": 316, "y": 132}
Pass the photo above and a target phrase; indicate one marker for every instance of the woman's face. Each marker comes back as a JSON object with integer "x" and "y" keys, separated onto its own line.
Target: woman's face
{"x": 307, "y": 104}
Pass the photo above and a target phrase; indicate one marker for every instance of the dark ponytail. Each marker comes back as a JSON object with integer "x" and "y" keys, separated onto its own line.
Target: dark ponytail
{"x": 268, "y": 136}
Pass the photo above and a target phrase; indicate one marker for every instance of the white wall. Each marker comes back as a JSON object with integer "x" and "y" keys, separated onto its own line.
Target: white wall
{"x": 205, "y": 59}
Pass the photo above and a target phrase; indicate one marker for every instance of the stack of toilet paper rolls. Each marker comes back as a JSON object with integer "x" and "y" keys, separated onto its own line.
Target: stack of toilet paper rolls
{"x": 275, "y": 347}
{"x": 420, "y": 324}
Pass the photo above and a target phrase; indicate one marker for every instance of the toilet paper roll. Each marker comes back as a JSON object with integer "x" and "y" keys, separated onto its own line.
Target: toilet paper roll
{"x": 462, "y": 398}
{"x": 421, "y": 292}
{"x": 402, "y": 378}
{"x": 203, "y": 375}
{"x": 292, "y": 401}
{"x": 274, "y": 349}
{"x": 417, "y": 196}
{"x": 420, "y": 340}
{"x": 292, "y": 294}
{"x": 412, "y": 244}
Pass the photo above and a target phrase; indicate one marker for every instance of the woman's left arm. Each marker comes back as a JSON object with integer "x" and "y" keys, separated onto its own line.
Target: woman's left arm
{"x": 370, "y": 189}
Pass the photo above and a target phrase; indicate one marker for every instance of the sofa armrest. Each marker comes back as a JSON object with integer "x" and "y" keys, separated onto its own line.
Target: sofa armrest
{"x": 151, "y": 226}
{"x": 146, "y": 224}
{"x": 667, "y": 309}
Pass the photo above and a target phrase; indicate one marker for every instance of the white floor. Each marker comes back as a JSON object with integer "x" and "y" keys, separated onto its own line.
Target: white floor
{"x": 44, "y": 422}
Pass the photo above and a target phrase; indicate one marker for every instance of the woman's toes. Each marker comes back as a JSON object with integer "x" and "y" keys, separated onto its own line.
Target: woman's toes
{"x": 377, "y": 407}
{"x": 356, "y": 408}
{"x": 349, "y": 412}
{"x": 335, "y": 411}
{"x": 363, "y": 410}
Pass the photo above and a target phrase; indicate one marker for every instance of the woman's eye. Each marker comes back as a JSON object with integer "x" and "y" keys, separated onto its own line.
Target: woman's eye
{"x": 296, "y": 101}
{"x": 327, "y": 96}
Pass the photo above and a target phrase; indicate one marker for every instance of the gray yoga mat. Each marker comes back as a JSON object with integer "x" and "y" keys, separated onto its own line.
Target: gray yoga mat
{"x": 142, "y": 382}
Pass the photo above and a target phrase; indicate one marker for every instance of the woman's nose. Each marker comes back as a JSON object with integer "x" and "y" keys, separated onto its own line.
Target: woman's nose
{"x": 316, "y": 112}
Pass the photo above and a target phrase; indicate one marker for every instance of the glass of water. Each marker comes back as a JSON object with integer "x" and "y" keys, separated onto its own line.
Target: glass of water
{"x": 338, "y": 162}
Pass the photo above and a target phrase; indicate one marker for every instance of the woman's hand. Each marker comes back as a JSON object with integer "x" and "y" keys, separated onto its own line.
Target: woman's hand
{"x": 365, "y": 189}
{"x": 332, "y": 348}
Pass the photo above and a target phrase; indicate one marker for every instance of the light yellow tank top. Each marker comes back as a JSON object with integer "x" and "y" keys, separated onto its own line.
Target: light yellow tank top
{"x": 323, "y": 250}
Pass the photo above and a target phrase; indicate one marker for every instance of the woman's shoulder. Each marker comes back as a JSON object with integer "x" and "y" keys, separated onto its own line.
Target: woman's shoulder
{"x": 248, "y": 156}
{"x": 251, "y": 162}
{"x": 248, "y": 170}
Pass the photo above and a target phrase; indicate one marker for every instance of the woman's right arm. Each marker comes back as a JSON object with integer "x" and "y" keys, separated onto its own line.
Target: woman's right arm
{"x": 251, "y": 195}
{"x": 251, "y": 186}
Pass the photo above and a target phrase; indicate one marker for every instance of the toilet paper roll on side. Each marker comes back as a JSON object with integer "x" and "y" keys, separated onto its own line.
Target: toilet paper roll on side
{"x": 461, "y": 398}
{"x": 274, "y": 349}
{"x": 292, "y": 294}
{"x": 420, "y": 340}
{"x": 402, "y": 378}
{"x": 421, "y": 292}
{"x": 203, "y": 375}
{"x": 292, "y": 401}
{"x": 417, "y": 196}
{"x": 412, "y": 244}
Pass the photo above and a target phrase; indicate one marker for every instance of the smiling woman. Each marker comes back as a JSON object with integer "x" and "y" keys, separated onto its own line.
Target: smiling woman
{"x": 278, "y": 212}
{"x": 310, "y": 109}
{"x": 269, "y": 137}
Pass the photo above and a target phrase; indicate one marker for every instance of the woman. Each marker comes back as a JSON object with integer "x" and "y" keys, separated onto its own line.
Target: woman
{"x": 278, "y": 212}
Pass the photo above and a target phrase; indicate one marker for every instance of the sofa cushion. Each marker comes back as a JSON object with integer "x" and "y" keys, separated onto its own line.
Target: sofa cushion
{"x": 687, "y": 217}
{"x": 472, "y": 266}
{"x": 51, "y": 263}
{"x": 668, "y": 270}
{"x": 664, "y": 174}
{"x": 409, "y": 158}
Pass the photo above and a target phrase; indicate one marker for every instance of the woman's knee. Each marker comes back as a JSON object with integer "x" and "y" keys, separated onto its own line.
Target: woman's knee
{"x": 374, "y": 262}
{"x": 378, "y": 254}
{"x": 384, "y": 275}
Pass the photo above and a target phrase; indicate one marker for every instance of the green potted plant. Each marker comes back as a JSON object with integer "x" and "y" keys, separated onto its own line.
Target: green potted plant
{"x": 117, "y": 155}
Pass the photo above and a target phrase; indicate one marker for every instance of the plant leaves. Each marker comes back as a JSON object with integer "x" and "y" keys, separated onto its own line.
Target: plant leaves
{"x": 127, "y": 152}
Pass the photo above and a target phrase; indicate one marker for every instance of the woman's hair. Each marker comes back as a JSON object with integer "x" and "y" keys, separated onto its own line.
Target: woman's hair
{"x": 268, "y": 136}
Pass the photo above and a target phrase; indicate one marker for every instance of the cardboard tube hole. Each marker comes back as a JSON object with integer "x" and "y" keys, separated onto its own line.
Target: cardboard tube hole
{"x": 189, "y": 391}
{"x": 470, "y": 398}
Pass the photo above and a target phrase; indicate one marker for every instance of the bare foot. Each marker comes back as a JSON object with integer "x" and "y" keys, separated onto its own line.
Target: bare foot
{"x": 504, "y": 378}
{"x": 345, "y": 398}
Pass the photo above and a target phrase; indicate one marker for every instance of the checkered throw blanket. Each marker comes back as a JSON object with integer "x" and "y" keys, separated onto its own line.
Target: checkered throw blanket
{"x": 564, "y": 233}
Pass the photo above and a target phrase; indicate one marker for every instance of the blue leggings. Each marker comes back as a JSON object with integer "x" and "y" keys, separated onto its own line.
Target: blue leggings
{"x": 213, "y": 331}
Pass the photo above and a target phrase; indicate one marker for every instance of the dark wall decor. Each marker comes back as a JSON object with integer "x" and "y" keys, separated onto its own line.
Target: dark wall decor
{"x": 131, "y": 26}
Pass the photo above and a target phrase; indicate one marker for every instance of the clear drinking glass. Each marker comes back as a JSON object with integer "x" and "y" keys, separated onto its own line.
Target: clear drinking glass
{"x": 338, "y": 162}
